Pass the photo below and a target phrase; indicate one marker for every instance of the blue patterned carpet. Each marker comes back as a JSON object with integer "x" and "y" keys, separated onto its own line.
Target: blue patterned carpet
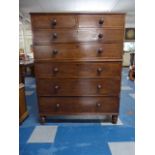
{"x": 85, "y": 137}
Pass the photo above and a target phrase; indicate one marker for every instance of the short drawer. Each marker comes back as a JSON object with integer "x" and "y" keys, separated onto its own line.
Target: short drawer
{"x": 78, "y": 87}
{"x": 80, "y": 70}
{"x": 100, "y": 20}
{"x": 77, "y": 105}
{"x": 78, "y": 51}
{"x": 50, "y": 21}
{"x": 47, "y": 37}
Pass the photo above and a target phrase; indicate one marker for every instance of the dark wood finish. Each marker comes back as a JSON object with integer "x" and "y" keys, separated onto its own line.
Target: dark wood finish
{"x": 76, "y": 87}
{"x": 47, "y": 37}
{"x": 21, "y": 74}
{"x": 23, "y": 113}
{"x": 79, "y": 51}
{"x": 77, "y": 70}
{"x": 24, "y": 64}
{"x": 78, "y": 59}
{"x": 74, "y": 105}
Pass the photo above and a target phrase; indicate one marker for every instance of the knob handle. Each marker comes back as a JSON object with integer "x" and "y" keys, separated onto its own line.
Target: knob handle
{"x": 55, "y": 51}
{"x": 56, "y": 87}
{"x": 55, "y": 35}
{"x": 57, "y": 105}
{"x": 100, "y": 50}
{"x": 54, "y": 22}
{"x": 98, "y": 104}
{"x": 100, "y": 36}
{"x": 55, "y": 70}
{"x": 99, "y": 70}
{"x": 99, "y": 86}
{"x": 101, "y": 21}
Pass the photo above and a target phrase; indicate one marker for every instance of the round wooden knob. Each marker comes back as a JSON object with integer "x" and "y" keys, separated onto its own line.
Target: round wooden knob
{"x": 56, "y": 87}
{"x": 100, "y": 50}
{"x": 99, "y": 86}
{"x": 99, "y": 70}
{"x": 55, "y": 70}
{"x": 101, "y": 21}
{"x": 54, "y": 22}
{"x": 55, "y": 35}
{"x": 98, "y": 104}
{"x": 55, "y": 51}
{"x": 57, "y": 105}
{"x": 100, "y": 36}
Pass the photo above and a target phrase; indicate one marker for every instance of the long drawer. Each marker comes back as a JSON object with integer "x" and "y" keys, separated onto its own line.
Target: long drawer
{"x": 100, "y": 20}
{"x": 78, "y": 87}
{"x": 76, "y": 105}
{"x": 78, "y": 51}
{"x": 47, "y": 37}
{"x": 48, "y": 21}
{"x": 79, "y": 70}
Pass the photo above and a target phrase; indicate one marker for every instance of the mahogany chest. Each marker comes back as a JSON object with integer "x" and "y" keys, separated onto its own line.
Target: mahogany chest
{"x": 78, "y": 61}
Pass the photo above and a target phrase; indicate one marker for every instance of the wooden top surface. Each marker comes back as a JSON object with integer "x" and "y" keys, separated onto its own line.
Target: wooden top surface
{"x": 79, "y": 13}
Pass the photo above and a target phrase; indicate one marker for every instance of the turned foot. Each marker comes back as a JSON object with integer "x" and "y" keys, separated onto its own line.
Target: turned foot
{"x": 42, "y": 119}
{"x": 114, "y": 119}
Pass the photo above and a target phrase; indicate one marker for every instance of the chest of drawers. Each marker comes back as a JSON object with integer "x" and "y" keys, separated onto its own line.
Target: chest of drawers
{"x": 78, "y": 61}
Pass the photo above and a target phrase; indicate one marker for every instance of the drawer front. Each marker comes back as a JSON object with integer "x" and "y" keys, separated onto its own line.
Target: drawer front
{"x": 78, "y": 87}
{"x": 49, "y": 21}
{"x": 81, "y": 51}
{"x": 47, "y": 37}
{"x": 75, "y": 105}
{"x": 68, "y": 70}
{"x": 100, "y": 20}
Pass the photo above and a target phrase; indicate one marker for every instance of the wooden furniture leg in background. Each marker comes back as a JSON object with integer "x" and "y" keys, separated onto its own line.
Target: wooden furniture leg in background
{"x": 23, "y": 113}
{"x": 114, "y": 119}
